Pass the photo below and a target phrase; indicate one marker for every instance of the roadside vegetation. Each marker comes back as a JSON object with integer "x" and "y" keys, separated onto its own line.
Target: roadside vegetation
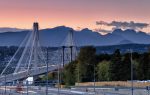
{"x": 90, "y": 66}
{"x": 106, "y": 67}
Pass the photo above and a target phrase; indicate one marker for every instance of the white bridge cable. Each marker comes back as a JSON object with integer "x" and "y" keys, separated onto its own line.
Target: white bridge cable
{"x": 33, "y": 58}
{"x": 31, "y": 55}
{"x": 41, "y": 55}
{"x": 25, "y": 67}
{"x": 23, "y": 54}
{"x": 56, "y": 56}
{"x": 19, "y": 48}
{"x": 69, "y": 41}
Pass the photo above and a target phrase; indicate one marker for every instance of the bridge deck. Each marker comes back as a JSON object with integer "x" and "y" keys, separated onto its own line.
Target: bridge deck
{"x": 25, "y": 74}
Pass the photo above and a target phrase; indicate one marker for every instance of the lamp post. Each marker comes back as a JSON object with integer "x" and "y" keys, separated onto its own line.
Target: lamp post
{"x": 78, "y": 74}
{"x": 5, "y": 84}
{"x": 94, "y": 80}
{"x": 63, "y": 53}
{"x": 71, "y": 51}
{"x": 58, "y": 78}
{"x": 131, "y": 72}
{"x": 47, "y": 73}
{"x": 27, "y": 83}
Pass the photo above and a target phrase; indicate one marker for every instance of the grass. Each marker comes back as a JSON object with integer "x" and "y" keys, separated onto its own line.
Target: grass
{"x": 115, "y": 83}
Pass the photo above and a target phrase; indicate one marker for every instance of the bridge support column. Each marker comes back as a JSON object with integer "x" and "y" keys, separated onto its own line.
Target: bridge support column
{"x": 63, "y": 54}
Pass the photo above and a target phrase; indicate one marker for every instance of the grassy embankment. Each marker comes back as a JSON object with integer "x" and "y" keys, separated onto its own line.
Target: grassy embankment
{"x": 115, "y": 83}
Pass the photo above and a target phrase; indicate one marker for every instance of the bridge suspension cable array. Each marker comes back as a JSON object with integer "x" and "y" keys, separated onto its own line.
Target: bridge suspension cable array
{"x": 30, "y": 58}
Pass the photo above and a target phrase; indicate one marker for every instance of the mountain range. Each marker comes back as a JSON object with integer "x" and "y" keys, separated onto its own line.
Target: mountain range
{"x": 6, "y": 29}
{"x": 55, "y": 36}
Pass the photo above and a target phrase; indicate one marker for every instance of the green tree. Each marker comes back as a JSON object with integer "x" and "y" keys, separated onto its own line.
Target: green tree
{"x": 51, "y": 76}
{"x": 86, "y": 61}
{"x": 103, "y": 71}
{"x": 135, "y": 69}
{"x": 143, "y": 68}
{"x": 69, "y": 73}
{"x": 115, "y": 66}
{"x": 102, "y": 57}
{"x": 125, "y": 69}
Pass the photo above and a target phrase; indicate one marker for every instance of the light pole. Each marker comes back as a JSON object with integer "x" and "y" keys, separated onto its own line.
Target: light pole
{"x": 5, "y": 84}
{"x": 71, "y": 48}
{"x": 131, "y": 72}
{"x": 63, "y": 53}
{"x": 47, "y": 73}
{"x": 27, "y": 83}
{"x": 58, "y": 79}
{"x": 78, "y": 74}
{"x": 94, "y": 79}
{"x": 147, "y": 88}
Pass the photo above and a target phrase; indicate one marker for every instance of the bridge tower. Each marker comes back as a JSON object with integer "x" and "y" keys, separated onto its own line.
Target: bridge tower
{"x": 30, "y": 61}
{"x": 69, "y": 47}
{"x": 35, "y": 47}
{"x": 35, "y": 43}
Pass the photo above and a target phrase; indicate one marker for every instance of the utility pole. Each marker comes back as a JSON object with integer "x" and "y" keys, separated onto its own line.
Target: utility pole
{"x": 78, "y": 74}
{"x": 47, "y": 73}
{"x": 27, "y": 83}
{"x": 58, "y": 79}
{"x": 71, "y": 48}
{"x": 131, "y": 72}
{"x": 94, "y": 79}
{"x": 71, "y": 44}
{"x": 63, "y": 53}
{"x": 147, "y": 88}
{"x": 5, "y": 84}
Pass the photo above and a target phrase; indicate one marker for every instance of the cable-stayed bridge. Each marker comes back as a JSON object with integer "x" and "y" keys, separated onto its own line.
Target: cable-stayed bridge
{"x": 31, "y": 59}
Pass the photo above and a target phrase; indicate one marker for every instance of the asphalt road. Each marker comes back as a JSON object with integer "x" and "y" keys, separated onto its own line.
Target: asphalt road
{"x": 35, "y": 90}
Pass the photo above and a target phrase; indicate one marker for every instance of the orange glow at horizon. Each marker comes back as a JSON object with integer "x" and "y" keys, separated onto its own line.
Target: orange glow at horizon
{"x": 71, "y": 13}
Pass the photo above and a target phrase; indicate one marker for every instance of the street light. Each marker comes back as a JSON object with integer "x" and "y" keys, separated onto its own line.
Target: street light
{"x": 63, "y": 53}
{"x": 78, "y": 74}
{"x": 94, "y": 79}
{"x": 131, "y": 72}
{"x": 58, "y": 78}
{"x": 47, "y": 73}
{"x": 5, "y": 84}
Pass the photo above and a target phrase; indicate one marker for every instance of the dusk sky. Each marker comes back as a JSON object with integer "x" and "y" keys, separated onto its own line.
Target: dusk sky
{"x": 72, "y": 13}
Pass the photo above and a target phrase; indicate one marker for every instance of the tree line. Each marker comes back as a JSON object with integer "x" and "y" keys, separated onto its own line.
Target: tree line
{"x": 89, "y": 67}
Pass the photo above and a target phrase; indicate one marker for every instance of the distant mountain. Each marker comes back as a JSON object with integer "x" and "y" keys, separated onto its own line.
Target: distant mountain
{"x": 133, "y": 36}
{"x": 125, "y": 42}
{"x": 56, "y": 36}
{"x": 7, "y": 29}
{"x": 12, "y": 38}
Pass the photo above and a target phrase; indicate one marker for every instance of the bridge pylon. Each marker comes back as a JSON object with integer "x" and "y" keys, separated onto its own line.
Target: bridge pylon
{"x": 69, "y": 48}
{"x": 29, "y": 59}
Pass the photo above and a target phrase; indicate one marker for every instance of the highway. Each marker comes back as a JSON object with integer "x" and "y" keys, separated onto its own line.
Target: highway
{"x": 37, "y": 90}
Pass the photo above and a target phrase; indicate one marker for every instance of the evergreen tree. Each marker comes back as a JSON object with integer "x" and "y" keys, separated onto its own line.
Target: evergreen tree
{"x": 86, "y": 61}
{"x": 69, "y": 73}
{"x": 115, "y": 66}
{"x": 125, "y": 70}
{"x": 143, "y": 68}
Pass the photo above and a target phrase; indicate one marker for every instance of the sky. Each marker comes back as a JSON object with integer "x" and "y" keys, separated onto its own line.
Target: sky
{"x": 73, "y": 13}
